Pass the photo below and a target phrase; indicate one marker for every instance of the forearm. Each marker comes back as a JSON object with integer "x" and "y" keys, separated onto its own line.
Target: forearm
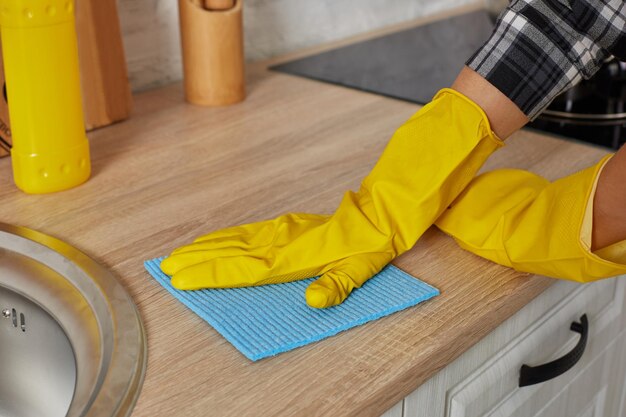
{"x": 609, "y": 215}
{"x": 503, "y": 114}
{"x": 537, "y": 51}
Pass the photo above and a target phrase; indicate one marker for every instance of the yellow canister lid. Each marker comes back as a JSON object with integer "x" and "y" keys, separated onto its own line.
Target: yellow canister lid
{"x": 35, "y": 13}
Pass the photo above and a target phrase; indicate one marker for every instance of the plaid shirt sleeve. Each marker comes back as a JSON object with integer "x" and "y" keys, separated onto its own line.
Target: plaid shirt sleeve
{"x": 541, "y": 48}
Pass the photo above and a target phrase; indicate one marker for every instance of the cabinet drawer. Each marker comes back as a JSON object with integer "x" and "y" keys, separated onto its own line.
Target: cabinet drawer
{"x": 595, "y": 391}
{"x": 484, "y": 380}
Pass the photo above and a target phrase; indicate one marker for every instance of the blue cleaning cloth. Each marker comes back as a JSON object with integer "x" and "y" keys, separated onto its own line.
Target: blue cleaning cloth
{"x": 266, "y": 320}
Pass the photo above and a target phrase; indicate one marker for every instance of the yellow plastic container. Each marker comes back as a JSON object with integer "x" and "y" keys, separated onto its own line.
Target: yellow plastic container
{"x": 50, "y": 149}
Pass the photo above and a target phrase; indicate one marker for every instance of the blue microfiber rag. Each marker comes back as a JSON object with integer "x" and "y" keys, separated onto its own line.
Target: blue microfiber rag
{"x": 266, "y": 320}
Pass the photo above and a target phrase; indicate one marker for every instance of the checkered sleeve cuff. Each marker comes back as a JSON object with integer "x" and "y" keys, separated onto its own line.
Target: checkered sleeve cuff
{"x": 541, "y": 48}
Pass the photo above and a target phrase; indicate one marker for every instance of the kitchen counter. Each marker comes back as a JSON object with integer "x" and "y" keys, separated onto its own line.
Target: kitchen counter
{"x": 174, "y": 171}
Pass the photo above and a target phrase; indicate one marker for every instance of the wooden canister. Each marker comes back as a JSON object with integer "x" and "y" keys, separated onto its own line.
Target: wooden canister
{"x": 213, "y": 60}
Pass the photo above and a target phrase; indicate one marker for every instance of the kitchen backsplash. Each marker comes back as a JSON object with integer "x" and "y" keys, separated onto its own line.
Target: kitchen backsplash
{"x": 272, "y": 27}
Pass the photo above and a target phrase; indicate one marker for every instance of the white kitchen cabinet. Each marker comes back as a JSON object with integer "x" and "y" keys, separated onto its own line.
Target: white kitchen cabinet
{"x": 484, "y": 381}
{"x": 395, "y": 411}
{"x": 621, "y": 368}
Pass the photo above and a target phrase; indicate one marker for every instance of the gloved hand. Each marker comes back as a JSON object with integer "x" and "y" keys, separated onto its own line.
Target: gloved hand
{"x": 521, "y": 220}
{"x": 427, "y": 163}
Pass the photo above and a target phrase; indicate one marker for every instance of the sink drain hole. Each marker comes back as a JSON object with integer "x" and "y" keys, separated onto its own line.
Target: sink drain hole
{"x": 22, "y": 322}
{"x": 14, "y": 317}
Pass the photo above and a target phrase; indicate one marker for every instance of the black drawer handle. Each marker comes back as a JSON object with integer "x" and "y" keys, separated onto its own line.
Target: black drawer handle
{"x": 530, "y": 375}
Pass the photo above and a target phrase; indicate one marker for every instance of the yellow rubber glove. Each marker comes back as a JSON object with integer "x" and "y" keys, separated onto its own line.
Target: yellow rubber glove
{"x": 427, "y": 163}
{"x": 521, "y": 220}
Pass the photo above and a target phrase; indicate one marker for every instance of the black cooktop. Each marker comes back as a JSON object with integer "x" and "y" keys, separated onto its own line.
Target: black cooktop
{"x": 410, "y": 65}
{"x": 414, "y": 64}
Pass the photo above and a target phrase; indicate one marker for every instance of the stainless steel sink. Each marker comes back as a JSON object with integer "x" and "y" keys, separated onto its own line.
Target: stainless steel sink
{"x": 71, "y": 340}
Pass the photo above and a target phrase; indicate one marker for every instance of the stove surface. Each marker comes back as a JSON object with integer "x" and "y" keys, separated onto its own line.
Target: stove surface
{"x": 414, "y": 64}
{"x": 410, "y": 65}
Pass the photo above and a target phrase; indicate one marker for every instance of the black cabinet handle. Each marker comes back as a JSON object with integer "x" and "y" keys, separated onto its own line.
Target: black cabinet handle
{"x": 530, "y": 375}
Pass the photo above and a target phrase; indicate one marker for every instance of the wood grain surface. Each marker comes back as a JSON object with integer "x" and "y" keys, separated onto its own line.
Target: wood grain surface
{"x": 175, "y": 171}
{"x": 104, "y": 77}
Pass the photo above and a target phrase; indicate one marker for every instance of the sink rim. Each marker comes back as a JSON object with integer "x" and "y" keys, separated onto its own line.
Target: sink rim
{"x": 119, "y": 374}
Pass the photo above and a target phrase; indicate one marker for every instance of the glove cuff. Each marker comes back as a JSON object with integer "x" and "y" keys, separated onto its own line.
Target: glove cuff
{"x": 615, "y": 253}
{"x": 487, "y": 125}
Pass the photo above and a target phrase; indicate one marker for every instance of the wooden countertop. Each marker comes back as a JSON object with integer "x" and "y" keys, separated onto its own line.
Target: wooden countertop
{"x": 174, "y": 171}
